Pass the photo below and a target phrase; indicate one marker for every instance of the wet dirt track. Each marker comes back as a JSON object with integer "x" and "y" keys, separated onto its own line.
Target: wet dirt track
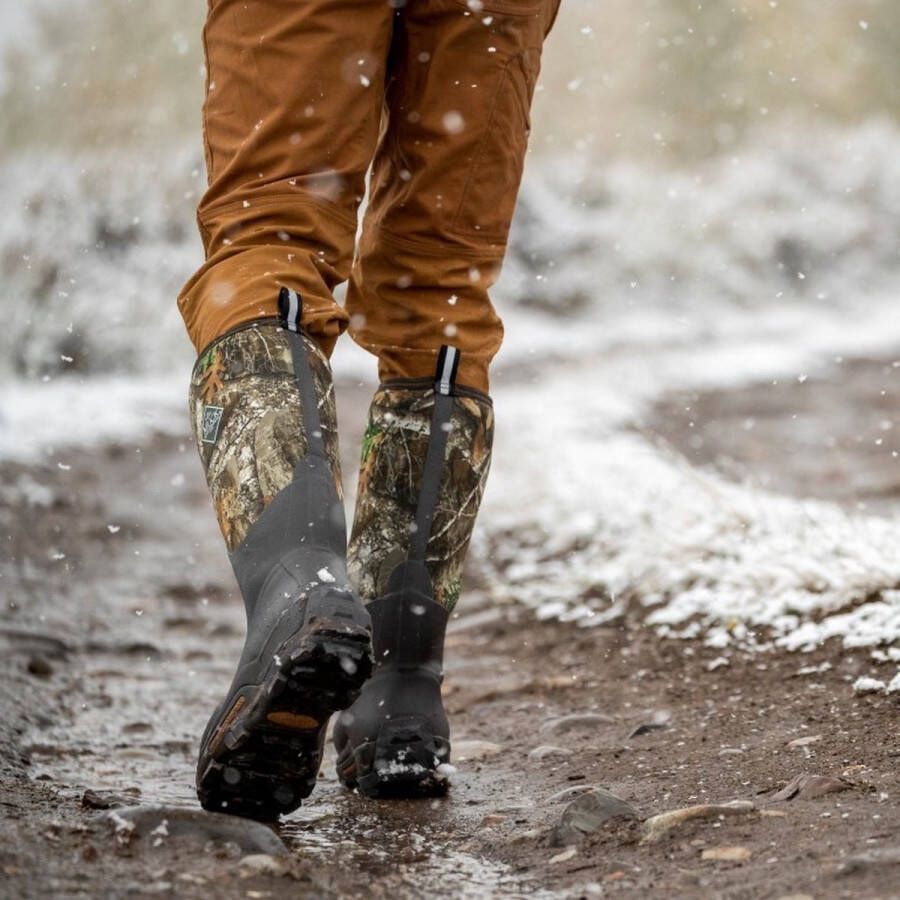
{"x": 121, "y": 624}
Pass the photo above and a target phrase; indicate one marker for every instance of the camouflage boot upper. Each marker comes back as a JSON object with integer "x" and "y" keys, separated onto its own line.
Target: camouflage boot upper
{"x": 248, "y": 421}
{"x": 393, "y": 459}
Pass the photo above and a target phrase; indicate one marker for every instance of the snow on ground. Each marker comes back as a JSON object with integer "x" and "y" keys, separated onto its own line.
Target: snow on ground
{"x": 611, "y": 516}
{"x": 39, "y": 420}
{"x": 618, "y": 288}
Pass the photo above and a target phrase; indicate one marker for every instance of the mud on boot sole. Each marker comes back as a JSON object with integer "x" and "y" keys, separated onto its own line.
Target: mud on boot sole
{"x": 405, "y": 761}
{"x": 264, "y": 757}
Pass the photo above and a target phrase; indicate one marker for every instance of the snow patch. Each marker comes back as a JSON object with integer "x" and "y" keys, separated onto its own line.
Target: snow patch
{"x": 38, "y": 420}
{"x": 866, "y": 685}
{"x": 612, "y": 517}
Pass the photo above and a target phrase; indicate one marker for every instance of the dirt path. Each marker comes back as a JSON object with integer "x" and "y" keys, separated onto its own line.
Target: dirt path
{"x": 120, "y": 626}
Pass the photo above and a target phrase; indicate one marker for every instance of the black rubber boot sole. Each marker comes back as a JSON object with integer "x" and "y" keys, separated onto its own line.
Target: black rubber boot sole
{"x": 404, "y": 762}
{"x": 264, "y": 756}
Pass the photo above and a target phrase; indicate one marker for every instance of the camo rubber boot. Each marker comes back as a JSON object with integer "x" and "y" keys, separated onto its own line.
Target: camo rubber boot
{"x": 425, "y": 460}
{"x": 263, "y": 413}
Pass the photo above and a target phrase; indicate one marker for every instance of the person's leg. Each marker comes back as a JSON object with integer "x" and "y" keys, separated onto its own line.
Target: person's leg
{"x": 291, "y": 120}
{"x": 443, "y": 192}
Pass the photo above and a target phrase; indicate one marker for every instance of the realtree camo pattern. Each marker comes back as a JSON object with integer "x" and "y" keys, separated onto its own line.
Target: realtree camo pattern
{"x": 248, "y": 421}
{"x": 393, "y": 456}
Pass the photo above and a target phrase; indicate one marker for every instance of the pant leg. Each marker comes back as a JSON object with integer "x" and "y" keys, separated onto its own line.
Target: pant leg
{"x": 294, "y": 97}
{"x": 444, "y": 183}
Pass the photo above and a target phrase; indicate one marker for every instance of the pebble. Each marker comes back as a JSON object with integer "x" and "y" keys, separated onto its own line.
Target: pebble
{"x": 137, "y": 728}
{"x": 572, "y": 722}
{"x": 546, "y": 750}
{"x": 470, "y": 751}
{"x": 26, "y": 640}
{"x": 491, "y": 819}
{"x": 657, "y": 826}
{"x": 92, "y": 799}
{"x": 726, "y": 854}
{"x": 657, "y": 723}
{"x": 572, "y": 791}
{"x": 587, "y": 814}
{"x": 566, "y": 855}
{"x": 805, "y": 741}
{"x": 38, "y": 666}
{"x": 265, "y": 864}
{"x": 807, "y": 786}
{"x": 889, "y": 856}
{"x": 150, "y": 821}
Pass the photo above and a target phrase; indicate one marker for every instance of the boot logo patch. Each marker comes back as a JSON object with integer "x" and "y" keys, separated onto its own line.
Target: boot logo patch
{"x": 209, "y": 424}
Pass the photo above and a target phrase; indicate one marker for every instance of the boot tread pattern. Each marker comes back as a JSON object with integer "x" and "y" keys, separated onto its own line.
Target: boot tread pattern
{"x": 265, "y": 758}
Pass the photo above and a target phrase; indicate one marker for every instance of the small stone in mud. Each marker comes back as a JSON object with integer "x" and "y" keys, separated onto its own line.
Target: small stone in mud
{"x": 572, "y": 791}
{"x": 137, "y": 728}
{"x": 546, "y": 750}
{"x": 25, "y": 640}
{"x": 91, "y": 799}
{"x": 807, "y": 787}
{"x": 889, "y": 856}
{"x": 470, "y": 751}
{"x": 190, "y": 824}
{"x": 805, "y": 741}
{"x": 657, "y": 826}
{"x": 564, "y": 724}
{"x": 726, "y": 854}
{"x": 40, "y": 667}
{"x": 565, "y": 856}
{"x": 491, "y": 819}
{"x": 265, "y": 864}
{"x": 141, "y": 648}
{"x": 587, "y": 814}
{"x": 657, "y": 722}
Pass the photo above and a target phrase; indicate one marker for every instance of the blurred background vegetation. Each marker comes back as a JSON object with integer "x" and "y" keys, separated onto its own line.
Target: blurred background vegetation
{"x": 680, "y": 79}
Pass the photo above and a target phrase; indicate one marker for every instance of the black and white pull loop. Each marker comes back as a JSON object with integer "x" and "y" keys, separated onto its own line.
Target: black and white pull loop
{"x": 436, "y": 455}
{"x": 445, "y": 376}
{"x": 290, "y": 308}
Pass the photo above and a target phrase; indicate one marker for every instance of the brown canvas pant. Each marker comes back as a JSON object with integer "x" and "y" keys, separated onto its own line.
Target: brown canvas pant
{"x": 302, "y": 96}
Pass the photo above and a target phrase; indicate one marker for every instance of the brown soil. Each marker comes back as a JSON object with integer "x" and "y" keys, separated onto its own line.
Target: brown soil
{"x": 835, "y": 436}
{"x": 121, "y": 623}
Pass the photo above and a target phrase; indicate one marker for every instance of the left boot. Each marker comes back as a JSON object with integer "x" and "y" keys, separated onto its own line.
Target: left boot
{"x": 263, "y": 410}
{"x": 426, "y": 455}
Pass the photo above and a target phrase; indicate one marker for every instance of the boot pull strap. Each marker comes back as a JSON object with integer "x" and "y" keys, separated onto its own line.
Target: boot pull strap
{"x": 445, "y": 378}
{"x": 290, "y": 310}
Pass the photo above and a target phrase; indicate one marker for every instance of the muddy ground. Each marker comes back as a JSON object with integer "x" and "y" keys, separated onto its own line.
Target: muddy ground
{"x": 120, "y": 625}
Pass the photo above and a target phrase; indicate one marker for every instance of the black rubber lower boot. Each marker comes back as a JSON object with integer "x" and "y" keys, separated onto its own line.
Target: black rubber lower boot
{"x": 266, "y": 427}
{"x": 262, "y": 749}
{"x": 395, "y": 740}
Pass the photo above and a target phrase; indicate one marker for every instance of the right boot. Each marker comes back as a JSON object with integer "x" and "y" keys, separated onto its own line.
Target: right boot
{"x": 395, "y": 740}
{"x": 426, "y": 456}
{"x": 264, "y": 418}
